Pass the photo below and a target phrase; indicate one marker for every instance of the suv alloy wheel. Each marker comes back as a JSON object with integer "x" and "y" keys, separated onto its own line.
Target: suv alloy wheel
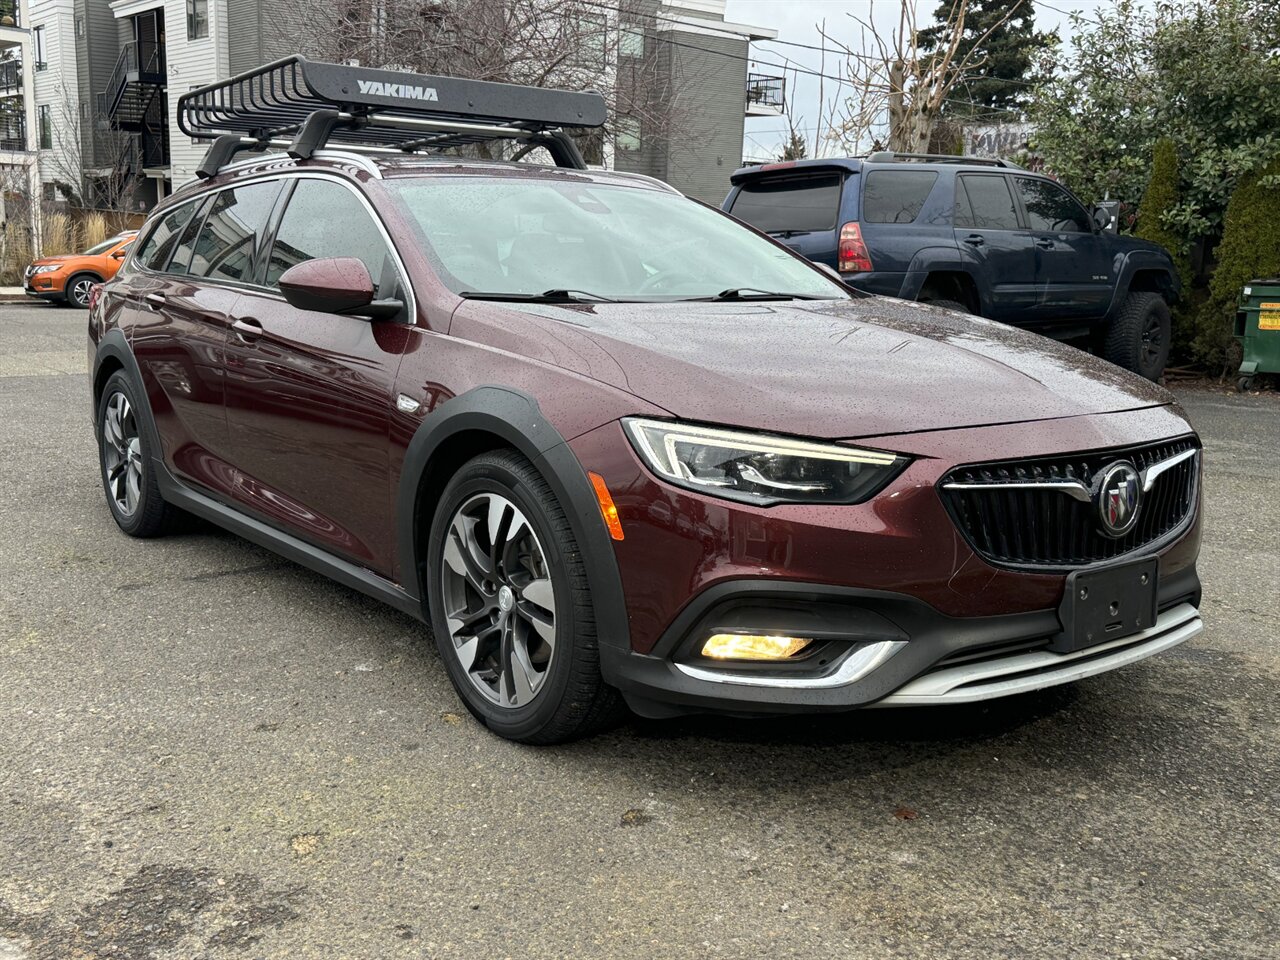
{"x": 512, "y": 614}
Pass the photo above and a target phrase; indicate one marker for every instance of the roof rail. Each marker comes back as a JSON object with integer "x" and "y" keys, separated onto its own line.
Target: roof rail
{"x": 304, "y": 105}
{"x": 889, "y": 156}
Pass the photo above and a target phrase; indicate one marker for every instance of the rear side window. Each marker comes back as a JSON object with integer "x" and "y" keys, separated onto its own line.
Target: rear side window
{"x": 159, "y": 244}
{"x": 1051, "y": 209}
{"x": 225, "y": 246}
{"x": 790, "y": 204}
{"x": 896, "y": 196}
{"x": 325, "y": 219}
{"x": 985, "y": 203}
{"x": 181, "y": 261}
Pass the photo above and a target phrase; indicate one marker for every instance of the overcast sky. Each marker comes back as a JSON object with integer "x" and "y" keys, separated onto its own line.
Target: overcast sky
{"x": 795, "y": 21}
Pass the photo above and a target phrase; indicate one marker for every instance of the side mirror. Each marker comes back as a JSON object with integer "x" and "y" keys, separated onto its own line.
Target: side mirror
{"x": 335, "y": 285}
{"x": 1104, "y": 218}
{"x": 119, "y": 254}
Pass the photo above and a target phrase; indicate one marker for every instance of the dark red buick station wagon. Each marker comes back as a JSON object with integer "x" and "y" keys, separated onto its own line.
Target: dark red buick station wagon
{"x": 612, "y": 446}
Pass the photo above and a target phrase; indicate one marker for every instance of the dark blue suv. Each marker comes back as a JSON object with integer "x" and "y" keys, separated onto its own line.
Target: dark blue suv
{"x": 983, "y": 236}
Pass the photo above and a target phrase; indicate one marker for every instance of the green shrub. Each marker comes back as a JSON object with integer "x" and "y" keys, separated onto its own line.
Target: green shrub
{"x": 1250, "y": 250}
{"x": 1161, "y": 196}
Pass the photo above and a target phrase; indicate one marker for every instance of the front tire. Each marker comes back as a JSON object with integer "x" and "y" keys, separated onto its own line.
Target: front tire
{"x": 125, "y": 459}
{"x": 78, "y": 288}
{"x": 1140, "y": 334}
{"x": 510, "y": 607}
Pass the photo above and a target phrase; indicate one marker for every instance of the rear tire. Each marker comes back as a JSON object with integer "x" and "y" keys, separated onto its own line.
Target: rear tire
{"x": 955, "y": 305}
{"x": 510, "y": 606}
{"x": 125, "y": 459}
{"x": 1139, "y": 335}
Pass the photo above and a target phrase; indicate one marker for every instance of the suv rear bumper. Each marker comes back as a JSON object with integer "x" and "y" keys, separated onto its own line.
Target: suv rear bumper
{"x": 903, "y": 652}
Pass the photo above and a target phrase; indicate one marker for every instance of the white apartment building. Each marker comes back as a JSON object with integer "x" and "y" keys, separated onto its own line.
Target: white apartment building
{"x": 114, "y": 70}
{"x": 18, "y": 177}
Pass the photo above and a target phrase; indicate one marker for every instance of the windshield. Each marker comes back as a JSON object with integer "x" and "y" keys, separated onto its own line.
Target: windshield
{"x": 102, "y": 247}
{"x": 528, "y": 236}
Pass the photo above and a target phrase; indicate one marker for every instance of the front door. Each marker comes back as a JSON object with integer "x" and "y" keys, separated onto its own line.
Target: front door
{"x": 992, "y": 240}
{"x": 309, "y": 394}
{"x": 1073, "y": 265}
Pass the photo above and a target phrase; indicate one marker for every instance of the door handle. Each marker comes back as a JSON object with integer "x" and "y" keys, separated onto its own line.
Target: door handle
{"x": 247, "y": 329}
{"x": 1044, "y": 243}
{"x": 974, "y": 240}
{"x": 154, "y": 301}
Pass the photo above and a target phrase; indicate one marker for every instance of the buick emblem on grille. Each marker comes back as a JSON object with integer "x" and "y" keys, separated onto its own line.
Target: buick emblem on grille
{"x": 1118, "y": 496}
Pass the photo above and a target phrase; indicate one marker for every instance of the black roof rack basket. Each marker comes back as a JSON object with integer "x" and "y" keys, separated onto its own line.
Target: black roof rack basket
{"x": 304, "y": 105}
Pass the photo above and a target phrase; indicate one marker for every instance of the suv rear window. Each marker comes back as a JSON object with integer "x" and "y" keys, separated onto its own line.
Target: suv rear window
{"x": 896, "y": 196}
{"x": 790, "y": 204}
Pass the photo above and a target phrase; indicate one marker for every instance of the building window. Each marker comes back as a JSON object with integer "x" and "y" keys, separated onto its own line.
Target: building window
{"x": 37, "y": 47}
{"x": 79, "y": 26}
{"x": 630, "y": 42}
{"x": 46, "y": 127}
{"x": 197, "y": 19}
{"x": 626, "y": 134}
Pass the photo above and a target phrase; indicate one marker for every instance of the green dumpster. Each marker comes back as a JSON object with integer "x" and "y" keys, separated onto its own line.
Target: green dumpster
{"x": 1258, "y": 330}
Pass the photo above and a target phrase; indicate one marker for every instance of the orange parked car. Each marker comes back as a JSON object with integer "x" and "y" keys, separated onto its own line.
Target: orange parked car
{"x": 68, "y": 278}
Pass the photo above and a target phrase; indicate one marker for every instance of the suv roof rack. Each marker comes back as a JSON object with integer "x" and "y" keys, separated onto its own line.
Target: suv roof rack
{"x": 304, "y": 105}
{"x": 889, "y": 156}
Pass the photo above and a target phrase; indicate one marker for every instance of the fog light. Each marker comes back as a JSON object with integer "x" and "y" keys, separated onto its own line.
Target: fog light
{"x": 748, "y": 646}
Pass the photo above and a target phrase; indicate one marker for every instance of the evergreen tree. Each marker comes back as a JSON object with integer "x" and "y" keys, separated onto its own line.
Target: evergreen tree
{"x": 795, "y": 148}
{"x": 1007, "y": 43}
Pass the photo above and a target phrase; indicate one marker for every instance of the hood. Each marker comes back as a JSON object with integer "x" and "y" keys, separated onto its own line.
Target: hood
{"x": 60, "y": 258}
{"x": 833, "y": 369}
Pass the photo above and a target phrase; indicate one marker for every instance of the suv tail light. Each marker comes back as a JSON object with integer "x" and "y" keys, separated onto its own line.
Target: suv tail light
{"x": 854, "y": 257}
{"x": 95, "y": 294}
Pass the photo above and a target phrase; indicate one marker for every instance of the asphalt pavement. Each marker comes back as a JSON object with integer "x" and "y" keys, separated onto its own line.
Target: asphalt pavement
{"x": 209, "y": 752}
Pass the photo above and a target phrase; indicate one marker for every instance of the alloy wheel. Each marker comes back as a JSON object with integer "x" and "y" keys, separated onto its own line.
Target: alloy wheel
{"x": 499, "y": 602}
{"x": 122, "y": 454}
{"x": 80, "y": 291}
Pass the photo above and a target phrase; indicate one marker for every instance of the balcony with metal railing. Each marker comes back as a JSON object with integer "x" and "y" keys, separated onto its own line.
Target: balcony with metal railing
{"x": 766, "y": 95}
{"x": 13, "y": 131}
{"x": 10, "y": 77}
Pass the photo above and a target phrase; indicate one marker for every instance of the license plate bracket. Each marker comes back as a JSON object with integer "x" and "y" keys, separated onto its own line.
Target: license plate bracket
{"x": 1106, "y": 604}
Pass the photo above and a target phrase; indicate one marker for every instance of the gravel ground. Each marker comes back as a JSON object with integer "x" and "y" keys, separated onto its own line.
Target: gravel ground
{"x": 206, "y": 751}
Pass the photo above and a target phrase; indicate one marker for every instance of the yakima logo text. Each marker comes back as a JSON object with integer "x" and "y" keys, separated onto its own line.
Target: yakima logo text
{"x": 401, "y": 90}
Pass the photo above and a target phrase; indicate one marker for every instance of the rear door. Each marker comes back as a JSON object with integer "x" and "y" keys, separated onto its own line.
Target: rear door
{"x": 309, "y": 394}
{"x": 178, "y": 331}
{"x": 802, "y": 209}
{"x": 1073, "y": 266}
{"x": 996, "y": 245}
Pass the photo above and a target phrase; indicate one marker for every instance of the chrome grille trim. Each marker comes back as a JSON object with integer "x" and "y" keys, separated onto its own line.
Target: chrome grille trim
{"x": 1039, "y": 513}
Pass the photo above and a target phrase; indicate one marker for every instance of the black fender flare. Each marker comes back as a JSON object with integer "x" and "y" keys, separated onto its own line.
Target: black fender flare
{"x": 941, "y": 259}
{"x": 113, "y": 345}
{"x": 1135, "y": 260}
{"x": 515, "y": 418}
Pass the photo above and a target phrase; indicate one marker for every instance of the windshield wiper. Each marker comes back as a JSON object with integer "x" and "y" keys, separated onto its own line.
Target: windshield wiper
{"x": 754, "y": 293}
{"x": 554, "y": 295}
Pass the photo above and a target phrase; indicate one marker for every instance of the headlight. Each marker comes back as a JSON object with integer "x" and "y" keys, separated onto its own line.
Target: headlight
{"x": 48, "y": 268}
{"x": 759, "y": 468}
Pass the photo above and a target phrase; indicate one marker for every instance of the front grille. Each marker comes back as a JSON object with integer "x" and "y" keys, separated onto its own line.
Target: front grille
{"x": 1012, "y": 525}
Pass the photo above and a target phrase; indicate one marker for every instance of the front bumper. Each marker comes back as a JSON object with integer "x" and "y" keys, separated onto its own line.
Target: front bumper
{"x": 903, "y": 652}
{"x": 44, "y": 287}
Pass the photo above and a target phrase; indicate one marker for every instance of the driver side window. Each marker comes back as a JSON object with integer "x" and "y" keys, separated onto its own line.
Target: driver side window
{"x": 325, "y": 219}
{"x": 1050, "y": 209}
